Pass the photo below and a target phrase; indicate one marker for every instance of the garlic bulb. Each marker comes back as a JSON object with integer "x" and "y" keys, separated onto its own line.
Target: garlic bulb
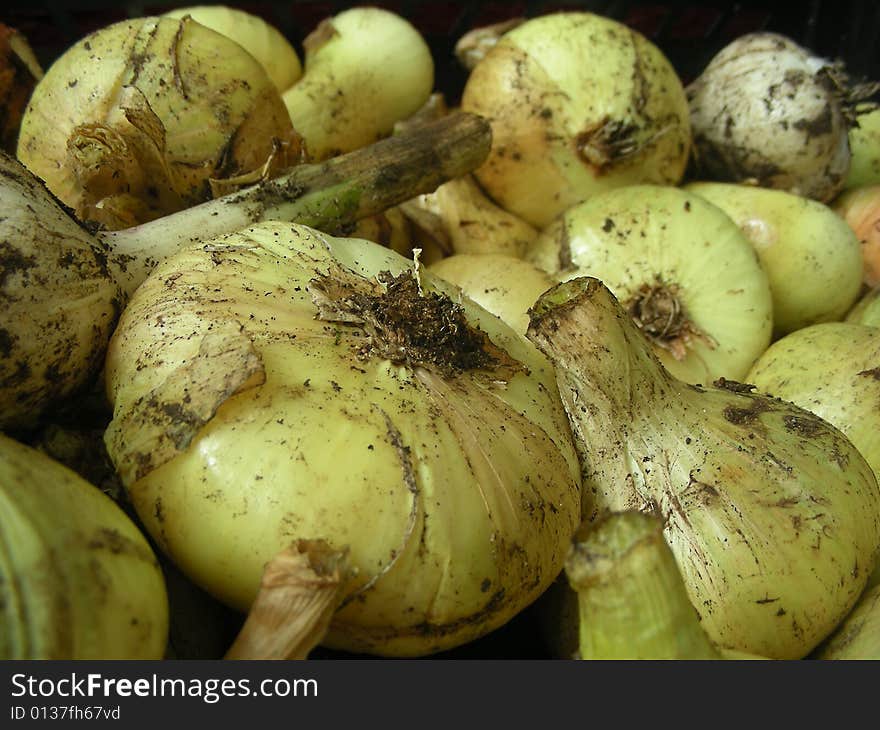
{"x": 867, "y": 309}
{"x": 77, "y": 578}
{"x": 832, "y": 370}
{"x": 772, "y": 514}
{"x": 504, "y": 285}
{"x": 812, "y": 257}
{"x": 680, "y": 266}
{"x": 152, "y": 115}
{"x": 767, "y": 111}
{"x": 578, "y": 104}
{"x": 261, "y": 39}
{"x": 277, "y": 384}
{"x": 63, "y": 287}
{"x": 364, "y": 69}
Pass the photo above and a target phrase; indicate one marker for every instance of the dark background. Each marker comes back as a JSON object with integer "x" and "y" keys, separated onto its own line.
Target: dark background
{"x": 689, "y": 33}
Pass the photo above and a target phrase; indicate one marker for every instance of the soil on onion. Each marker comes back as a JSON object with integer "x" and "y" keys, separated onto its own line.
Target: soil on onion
{"x": 406, "y": 324}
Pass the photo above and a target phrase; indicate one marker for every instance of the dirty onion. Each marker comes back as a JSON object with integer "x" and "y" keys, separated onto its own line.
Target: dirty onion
{"x": 149, "y": 116}
{"x": 578, "y": 103}
{"x": 276, "y": 384}
{"x": 772, "y": 514}
{"x": 769, "y": 112}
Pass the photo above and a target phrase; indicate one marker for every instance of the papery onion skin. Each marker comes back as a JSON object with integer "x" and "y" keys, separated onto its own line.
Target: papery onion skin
{"x": 137, "y": 119}
{"x": 645, "y": 236}
{"x": 765, "y": 111}
{"x": 578, "y": 104}
{"x": 772, "y": 513}
{"x": 261, "y": 39}
{"x": 77, "y": 578}
{"x": 455, "y": 495}
{"x": 832, "y": 370}
{"x": 812, "y": 258}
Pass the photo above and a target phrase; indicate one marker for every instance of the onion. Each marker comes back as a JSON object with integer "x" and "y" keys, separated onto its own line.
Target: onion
{"x": 811, "y": 256}
{"x": 504, "y": 285}
{"x": 148, "y": 116}
{"x": 864, "y": 144}
{"x": 261, "y": 39}
{"x": 77, "y": 578}
{"x": 860, "y": 208}
{"x": 867, "y": 309}
{"x": 462, "y": 216}
{"x": 578, "y": 104}
{"x": 832, "y": 370}
{"x": 769, "y": 112}
{"x": 277, "y": 384}
{"x": 772, "y": 514}
{"x": 631, "y": 598}
{"x": 365, "y": 69}
{"x": 682, "y": 268}
{"x": 63, "y": 288}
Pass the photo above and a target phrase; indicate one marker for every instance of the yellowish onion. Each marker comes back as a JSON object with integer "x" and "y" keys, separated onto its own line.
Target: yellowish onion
{"x": 860, "y": 208}
{"x": 864, "y": 144}
{"x": 505, "y": 285}
{"x": 812, "y": 258}
{"x": 278, "y": 384}
{"x": 832, "y": 370}
{"x": 867, "y": 309}
{"x": 77, "y": 578}
{"x": 578, "y": 104}
{"x": 257, "y": 36}
{"x": 772, "y": 514}
{"x": 680, "y": 266}
{"x": 858, "y": 636}
{"x": 148, "y": 116}
{"x": 365, "y": 69}
{"x": 462, "y": 215}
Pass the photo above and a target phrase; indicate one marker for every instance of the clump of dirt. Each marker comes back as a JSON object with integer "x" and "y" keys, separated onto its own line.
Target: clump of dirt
{"x": 405, "y": 324}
